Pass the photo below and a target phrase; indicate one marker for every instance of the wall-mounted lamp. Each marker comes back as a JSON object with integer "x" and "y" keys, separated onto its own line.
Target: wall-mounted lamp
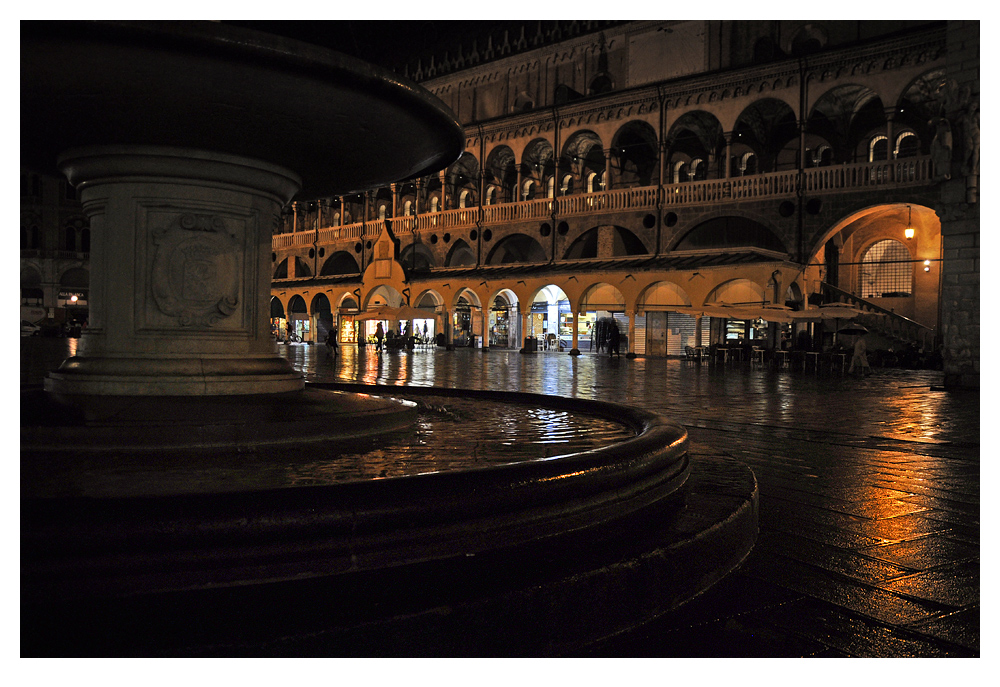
{"x": 908, "y": 232}
{"x": 927, "y": 265}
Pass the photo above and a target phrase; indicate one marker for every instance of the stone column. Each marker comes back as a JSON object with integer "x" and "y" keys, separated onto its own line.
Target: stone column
{"x": 728, "y": 162}
{"x": 607, "y": 170}
{"x": 180, "y": 278}
{"x": 575, "y": 348}
{"x": 890, "y": 115}
{"x": 630, "y": 314}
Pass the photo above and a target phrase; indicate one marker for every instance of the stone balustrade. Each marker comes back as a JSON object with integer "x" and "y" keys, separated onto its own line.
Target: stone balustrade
{"x": 832, "y": 179}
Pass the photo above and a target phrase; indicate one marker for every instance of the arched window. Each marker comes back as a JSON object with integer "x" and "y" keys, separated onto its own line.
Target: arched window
{"x": 566, "y": 187}
{"x": 590, "y": 181}
{"x": 748, "y": 164}
{"x": 886, "y": 270}
{"x": 697, "y": 169}
{"x": 529, "y": 189}
{"x": 551, "y": 185}
{"x": 680, "y": 172}
{"x": 434, "y": 204}
{"x": 464, "y": 198}
{"x": 491, "y": 195}
{"x": 907, "y": 145}
{"x": 878, "y": 149}
{"x": 336, "y": 219}
{"x": 408, "y": 208}
{"x": 381, "y": 211}
{"x": 70, "y": 244}
{"x": 820, "y": 156}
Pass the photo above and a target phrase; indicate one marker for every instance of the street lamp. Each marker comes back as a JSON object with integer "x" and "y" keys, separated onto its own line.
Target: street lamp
{"x": 909, "y": 231}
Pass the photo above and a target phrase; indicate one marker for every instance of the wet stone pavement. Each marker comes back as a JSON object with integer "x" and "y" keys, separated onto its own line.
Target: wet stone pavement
{"x": 869, "y": 541}
{"x": 869, "y": 493}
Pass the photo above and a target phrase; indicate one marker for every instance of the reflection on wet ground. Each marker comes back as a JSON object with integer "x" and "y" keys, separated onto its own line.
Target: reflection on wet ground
{"x": 869, "y": 492}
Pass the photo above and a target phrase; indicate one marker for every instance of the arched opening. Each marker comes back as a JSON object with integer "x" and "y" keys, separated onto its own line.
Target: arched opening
{"x": 695, "y": 135}
{"x": 462, "y": 179}
{"x": 339, "y": 263}
{"x": 281, "y": 271}
{"x": 501, "y": 169}
{"x": 671, "y": 329}
{"x": 765, "y": 128}
{"x": 505, "y": 321}
{"x": 886, "y": 271}
{"x": 417, "y": 257}
{"x": 730, "y": 232}
{"x": 467, "y": 320}
{"x": 550, "y": 319}
{"x": 322, "y": 318}
{"x": 298, "y": 320}
{"x": 730, "y": 330}
{"x": 537, "y": 168}
{"x": 634, "y": 155}
{"x": 605, "y": 242}
{"x": 582, "y": 155}
{"x": 845, "y": 119}
{"x": 602, "y": 309}
{"x": 461, "y": 254}
{"x": 302, "y": 268}
{"x": 516, "y": 248}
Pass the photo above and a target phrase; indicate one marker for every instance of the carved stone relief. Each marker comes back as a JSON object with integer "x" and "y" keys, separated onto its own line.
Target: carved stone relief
{"x": 195, "y": 277}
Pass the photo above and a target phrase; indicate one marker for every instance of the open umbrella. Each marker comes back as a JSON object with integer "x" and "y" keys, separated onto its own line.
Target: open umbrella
{"x": 853, "y": 330}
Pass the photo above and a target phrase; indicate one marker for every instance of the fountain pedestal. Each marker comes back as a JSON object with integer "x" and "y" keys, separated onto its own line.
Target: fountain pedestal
{"x": 180, "y": 274}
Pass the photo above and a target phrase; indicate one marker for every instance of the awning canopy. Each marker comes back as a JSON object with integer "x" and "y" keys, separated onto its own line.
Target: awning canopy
{"x": 403, "y": 312}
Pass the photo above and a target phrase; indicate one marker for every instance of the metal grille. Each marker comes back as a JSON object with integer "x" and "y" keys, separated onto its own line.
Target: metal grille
{"x": 886, "y": 271}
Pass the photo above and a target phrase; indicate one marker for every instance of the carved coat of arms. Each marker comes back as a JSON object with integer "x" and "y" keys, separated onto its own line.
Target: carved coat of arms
{"x": 195, "y": 275}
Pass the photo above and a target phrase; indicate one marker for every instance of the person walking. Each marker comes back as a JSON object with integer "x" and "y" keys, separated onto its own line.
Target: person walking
{"x": 331, "y": 342}
{"x": 614, "y": 341}
{"x": 379, "y": 335}
{"x": 860, "y": 357}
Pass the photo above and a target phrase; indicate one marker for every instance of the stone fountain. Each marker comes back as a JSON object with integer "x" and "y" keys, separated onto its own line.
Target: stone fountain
{"x": 184, "y": 140}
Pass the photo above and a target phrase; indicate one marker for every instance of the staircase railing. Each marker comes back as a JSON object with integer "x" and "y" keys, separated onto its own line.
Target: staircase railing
{"x": 883, "y": 321}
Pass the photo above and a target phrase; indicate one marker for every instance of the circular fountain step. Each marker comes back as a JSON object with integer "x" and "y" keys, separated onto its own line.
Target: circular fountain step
{"x": 532, "y": 558}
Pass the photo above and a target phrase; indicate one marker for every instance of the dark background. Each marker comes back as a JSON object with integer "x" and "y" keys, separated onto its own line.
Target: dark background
{"x": 391, "y": 44}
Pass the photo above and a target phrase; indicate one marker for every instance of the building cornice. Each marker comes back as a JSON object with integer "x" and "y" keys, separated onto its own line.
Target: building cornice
{"x": 920, "y": 47}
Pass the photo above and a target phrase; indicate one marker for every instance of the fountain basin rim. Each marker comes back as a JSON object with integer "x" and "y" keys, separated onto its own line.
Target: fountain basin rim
{"x": 152, "y": 544}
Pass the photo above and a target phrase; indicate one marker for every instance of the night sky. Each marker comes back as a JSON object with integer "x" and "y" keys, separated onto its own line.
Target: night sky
{"x": 388, "y": 44}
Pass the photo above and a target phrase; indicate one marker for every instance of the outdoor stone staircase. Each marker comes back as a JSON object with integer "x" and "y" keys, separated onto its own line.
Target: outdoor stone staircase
{"x": 893, "y": 327}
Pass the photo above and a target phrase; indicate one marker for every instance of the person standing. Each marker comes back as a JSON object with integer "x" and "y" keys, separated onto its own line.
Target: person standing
{"x": 379, "y": 335}
{"x": 860, "y": 357}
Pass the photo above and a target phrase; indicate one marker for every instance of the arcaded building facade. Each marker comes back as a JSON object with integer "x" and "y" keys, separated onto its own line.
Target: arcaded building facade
{"x": 697, "y": 182}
